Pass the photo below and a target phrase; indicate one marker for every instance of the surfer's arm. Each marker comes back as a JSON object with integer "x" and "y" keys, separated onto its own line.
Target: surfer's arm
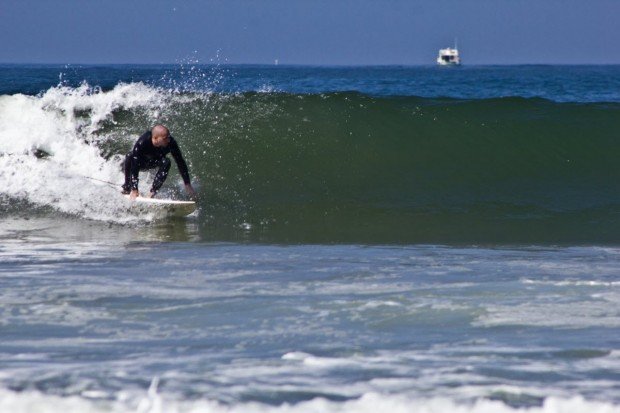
{"x": 178, "y": 158}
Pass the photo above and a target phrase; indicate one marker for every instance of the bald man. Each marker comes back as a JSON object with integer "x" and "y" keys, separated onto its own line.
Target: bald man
{"x": 150, "y": 152}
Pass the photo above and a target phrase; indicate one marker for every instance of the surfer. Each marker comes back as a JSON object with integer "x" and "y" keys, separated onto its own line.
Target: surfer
{"x": 150, "y": 152}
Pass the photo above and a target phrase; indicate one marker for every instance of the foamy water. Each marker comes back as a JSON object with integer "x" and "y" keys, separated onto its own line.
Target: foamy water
{"x": 66, "y": 123}
{"x": 369, "y": 403}
{"x": 128, "y": 324}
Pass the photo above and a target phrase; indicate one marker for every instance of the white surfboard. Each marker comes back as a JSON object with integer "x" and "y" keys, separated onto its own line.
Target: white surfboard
{"x": 168, "y": 207}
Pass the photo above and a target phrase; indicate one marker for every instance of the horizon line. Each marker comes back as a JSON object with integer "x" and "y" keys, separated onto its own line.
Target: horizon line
{"x": 331, "y": 65}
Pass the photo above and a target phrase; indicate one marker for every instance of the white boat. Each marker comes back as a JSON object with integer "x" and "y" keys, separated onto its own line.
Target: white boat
{"x": 449, "y": 57}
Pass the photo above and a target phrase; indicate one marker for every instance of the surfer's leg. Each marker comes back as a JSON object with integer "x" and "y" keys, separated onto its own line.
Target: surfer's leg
{"x": 127, "y": 170}
{"x": 162, "y": 174}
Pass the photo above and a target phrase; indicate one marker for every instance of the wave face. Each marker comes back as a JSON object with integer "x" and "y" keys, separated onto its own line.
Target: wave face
{"x": 328, "y": 167}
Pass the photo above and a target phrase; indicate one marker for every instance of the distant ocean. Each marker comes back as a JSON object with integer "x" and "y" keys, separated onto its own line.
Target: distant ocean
{"x": 368, "y": 239}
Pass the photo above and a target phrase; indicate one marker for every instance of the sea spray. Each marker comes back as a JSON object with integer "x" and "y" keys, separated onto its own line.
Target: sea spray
{"x": 64, "y": 125}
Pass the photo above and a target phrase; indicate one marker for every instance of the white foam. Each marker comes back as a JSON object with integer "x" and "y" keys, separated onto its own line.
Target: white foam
{"x": 50, "y": 122}
{"x": 573, "y": 283}
{"x": 320, "y": 362}
{"x": 152, "y": 402}
{"x": 376, "y": 304}
{"x": 583, "y": 314}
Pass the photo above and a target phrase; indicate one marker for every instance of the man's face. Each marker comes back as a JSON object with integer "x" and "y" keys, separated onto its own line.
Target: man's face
{"x": 161, "y": 140}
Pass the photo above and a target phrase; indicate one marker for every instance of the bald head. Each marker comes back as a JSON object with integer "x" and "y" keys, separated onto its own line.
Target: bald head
{"x": 160, "y": 135}
{"x": 160, "y": 130}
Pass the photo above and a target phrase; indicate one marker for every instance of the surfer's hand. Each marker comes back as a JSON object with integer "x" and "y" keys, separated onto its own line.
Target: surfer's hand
{"x": 190, "y": 190}
{"x": 134, "y": 194}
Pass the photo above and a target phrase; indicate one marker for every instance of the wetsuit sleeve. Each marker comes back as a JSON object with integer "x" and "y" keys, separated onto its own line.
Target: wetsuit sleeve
{"x": 178, "y": 158}
{"x": 136, "y": 154}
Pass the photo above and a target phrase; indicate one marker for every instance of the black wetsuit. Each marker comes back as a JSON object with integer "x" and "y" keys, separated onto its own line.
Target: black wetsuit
{"x": 145, "y": 155}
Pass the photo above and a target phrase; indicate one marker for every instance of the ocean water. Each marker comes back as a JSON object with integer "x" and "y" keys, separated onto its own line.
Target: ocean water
{"x": 403, "y": 239}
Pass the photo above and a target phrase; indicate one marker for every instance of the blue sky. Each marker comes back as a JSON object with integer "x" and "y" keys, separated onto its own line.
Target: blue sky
{"x": 316, "y": 32}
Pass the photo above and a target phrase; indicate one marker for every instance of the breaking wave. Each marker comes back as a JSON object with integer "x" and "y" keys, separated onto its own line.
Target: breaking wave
{"x": 341, "y": 167}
